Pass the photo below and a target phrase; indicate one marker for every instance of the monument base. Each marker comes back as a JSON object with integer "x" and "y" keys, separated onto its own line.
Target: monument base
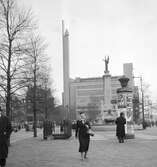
{"x": 129, "y": 136}
{"x": 111, "y": 128}
{"x": 61, "y": 136}
{"x": 99, "y": 122}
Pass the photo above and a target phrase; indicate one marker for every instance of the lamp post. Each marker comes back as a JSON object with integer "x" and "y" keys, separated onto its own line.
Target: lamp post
{"x": 142, "y": 97}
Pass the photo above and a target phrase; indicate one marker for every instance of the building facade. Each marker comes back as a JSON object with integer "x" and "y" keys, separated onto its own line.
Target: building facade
{"x": 87, "y": 94}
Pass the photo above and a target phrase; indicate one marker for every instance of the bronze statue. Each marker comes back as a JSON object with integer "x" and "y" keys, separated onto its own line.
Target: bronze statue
{"x": 106, "y": 63}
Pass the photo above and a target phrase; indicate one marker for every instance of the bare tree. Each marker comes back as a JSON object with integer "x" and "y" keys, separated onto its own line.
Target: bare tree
{"x": 45, "y": 84}
{"x": 15, "y": 24}
{"x": 36, "y": 61}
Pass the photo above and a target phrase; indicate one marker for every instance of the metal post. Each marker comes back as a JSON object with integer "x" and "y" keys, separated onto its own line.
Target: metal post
{"x": 143, "y": 118}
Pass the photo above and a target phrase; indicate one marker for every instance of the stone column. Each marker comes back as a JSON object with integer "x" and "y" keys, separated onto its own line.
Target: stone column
{"x": 107, "y": 91}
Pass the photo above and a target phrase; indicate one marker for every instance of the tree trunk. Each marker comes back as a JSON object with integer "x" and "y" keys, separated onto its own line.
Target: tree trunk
{"x": 34, "y": 104}
{"x": 46, "y": 113}
{"x": 8, "y": 96}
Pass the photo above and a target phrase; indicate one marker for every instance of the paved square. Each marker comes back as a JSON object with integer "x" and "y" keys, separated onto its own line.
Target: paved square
{"x": 104, "y": 151}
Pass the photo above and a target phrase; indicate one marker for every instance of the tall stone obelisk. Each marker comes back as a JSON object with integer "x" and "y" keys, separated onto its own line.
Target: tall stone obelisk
{"x": 65, "y": 38}
{"x": 107, "y": 87}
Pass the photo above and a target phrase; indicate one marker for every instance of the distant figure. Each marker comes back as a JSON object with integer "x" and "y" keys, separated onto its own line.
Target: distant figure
{"x": 19, "y": 127}
{"x": 46, "y": 129}
{"x": 5, "y": 132}
{"x": 53, "y": 127}
{"x": 61, "y": 126}
{"x": 82, "y": 129}
{"x": 120, "y": 130}
{"x": 74, "y": 123}
{"x": 26, "y": 126}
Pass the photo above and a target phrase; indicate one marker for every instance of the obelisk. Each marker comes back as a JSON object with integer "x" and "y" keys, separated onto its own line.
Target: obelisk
{"x": 65, "y": 38}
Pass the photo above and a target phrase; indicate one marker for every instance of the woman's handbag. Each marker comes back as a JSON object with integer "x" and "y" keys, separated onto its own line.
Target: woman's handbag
{"x": 90, "y": 132}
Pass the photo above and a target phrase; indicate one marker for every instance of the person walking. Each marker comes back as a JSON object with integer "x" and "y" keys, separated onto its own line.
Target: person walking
{"x": 83, "y": 135}
{"x": 120, "y": 129}
{"x": 5, "y": 132}
{"x": 53, "y": 127}
{"x": 46, "y": 129}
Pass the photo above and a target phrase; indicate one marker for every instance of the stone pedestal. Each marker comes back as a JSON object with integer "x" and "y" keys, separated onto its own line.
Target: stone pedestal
{"x": 106, "y": 102}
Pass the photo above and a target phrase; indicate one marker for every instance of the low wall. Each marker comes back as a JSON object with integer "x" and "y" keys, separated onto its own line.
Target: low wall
{"x": 104, "y": 127}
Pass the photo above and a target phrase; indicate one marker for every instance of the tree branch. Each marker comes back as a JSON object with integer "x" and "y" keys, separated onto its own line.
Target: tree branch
{"x": 3, "y": 87}
{"x": 3, "y": 98}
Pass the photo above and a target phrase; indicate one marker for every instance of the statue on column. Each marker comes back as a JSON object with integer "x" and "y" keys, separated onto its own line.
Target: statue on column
{"x": 106, "y": 64}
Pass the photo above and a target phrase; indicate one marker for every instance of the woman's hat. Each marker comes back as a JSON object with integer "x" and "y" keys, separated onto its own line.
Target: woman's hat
{"x": 82, "y": 112}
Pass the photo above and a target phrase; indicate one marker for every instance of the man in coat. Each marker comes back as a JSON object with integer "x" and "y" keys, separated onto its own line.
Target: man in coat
{"x": 120, "y": 130}
{"x": 5, "y": 131}
{"x": 47, "y": 129}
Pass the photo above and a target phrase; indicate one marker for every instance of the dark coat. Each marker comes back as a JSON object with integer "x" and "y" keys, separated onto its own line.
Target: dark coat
{"x": 120, "y": 130}
{"x": 47, "y": 128}
{"x": 83, "y": 136}
{"x": 5, "y": 131}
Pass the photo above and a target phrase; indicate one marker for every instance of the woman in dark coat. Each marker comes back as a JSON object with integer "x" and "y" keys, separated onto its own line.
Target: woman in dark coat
{"x": 46, "y": 129}
{"x": 5, "y": 131}
{"x": 82, "y": 128}
{"x": 120, "y": 130}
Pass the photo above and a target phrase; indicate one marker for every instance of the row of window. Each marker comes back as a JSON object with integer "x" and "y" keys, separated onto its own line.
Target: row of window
{"x": 90, "y": 86}
{"x": 96, "y": 92}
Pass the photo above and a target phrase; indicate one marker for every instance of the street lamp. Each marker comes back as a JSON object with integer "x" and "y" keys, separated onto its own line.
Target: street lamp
{"x": 142, "y": 94}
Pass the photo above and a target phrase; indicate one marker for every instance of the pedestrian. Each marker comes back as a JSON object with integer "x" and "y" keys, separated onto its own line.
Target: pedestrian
{"x": 50, "y": 128}
{"x": 61, "y": 127}
{"x": 53, "y": 127}
{"x": 5, "y": 132}
{"x": 120, "y": 130}
{"x": 74, "y": 125}
{"x": 45, "y": 129}
{"x": 82, "y": 133}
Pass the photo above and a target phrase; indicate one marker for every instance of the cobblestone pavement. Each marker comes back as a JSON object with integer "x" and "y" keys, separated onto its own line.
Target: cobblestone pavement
{"x": 104, "y": 151}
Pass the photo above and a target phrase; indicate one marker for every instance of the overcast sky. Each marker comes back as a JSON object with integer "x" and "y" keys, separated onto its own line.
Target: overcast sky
{"x": 125, "y": 30}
